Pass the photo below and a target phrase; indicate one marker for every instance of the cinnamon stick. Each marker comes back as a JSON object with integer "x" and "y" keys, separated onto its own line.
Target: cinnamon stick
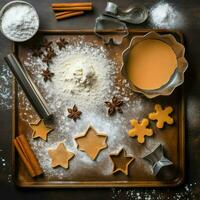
{"x": 27, "y": 156}
{"x": 69, "y": 15}
{"x": 63, "y": 13}
{"x": 84, "y": 8}
{"x": 80, "y": 4}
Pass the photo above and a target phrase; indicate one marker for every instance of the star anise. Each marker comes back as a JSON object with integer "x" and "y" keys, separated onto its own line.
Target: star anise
{"x": 47, "y": 59}
{"x": 114, "y": 105}
{"x": 37, "y": 52}
{"x": 47, "y": 74}
{"x": 51, "y": 53}
{"x": 62, "y": 42}
{"x": 74, "y": 113}
{"x": 46, "y": 44}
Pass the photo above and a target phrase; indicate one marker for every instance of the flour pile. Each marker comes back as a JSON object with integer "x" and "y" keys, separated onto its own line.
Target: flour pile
{"x": 84, "y": 73}
{"x": 164, "y": 15}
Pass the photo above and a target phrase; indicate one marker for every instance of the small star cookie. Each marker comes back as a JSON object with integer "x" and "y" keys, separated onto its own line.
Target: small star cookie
{"x": 162, "y": 116}
{"x": 60, "y": 156}
{"x": 40, "y": 130}
{"x": 140, "y": 130}
{"x": 121, "y": 161}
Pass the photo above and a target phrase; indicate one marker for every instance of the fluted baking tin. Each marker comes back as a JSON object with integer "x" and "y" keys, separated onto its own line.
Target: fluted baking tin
{"x": 178, "y": 76}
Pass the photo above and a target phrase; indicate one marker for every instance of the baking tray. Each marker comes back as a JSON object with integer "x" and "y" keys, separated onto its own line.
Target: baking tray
{"x": 173, "y": 138}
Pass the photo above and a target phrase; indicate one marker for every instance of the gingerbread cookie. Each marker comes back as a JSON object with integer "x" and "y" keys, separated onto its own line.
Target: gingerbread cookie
{"x": 91, "y": 142}
{"x": 140, "y": 130}
{"x": 162, "y": 116}
{"x": 60, "y": 156}
{"x": 40, "y": 130}
{"x": 121, "y": 161}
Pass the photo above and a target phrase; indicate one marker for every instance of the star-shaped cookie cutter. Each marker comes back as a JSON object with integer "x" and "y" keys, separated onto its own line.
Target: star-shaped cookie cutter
{"x": 157, "y": 159}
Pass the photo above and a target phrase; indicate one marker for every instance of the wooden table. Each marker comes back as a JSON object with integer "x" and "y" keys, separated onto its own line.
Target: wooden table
{"x": 190, "y": 11}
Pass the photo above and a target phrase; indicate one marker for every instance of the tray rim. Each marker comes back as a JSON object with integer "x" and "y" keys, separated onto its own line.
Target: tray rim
{"x": 101, "y": 184}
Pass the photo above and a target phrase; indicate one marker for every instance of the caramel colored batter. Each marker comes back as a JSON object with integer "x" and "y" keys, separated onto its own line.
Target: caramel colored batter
{"x": 151, "y": 64}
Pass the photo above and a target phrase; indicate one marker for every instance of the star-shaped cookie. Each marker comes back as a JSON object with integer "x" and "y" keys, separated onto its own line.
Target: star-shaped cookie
{"x": 40, "y": 130}
{"x": 140, "y": 130}
{"x": 91, "y": 142}
{"x": 121, "y": 161}
{"x": 60, "y": 156}
{"x": 162, "y": 116}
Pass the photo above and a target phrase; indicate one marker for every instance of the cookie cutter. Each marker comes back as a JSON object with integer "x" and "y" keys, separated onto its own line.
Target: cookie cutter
{"x": 157, "y": 159}
{"x": 106, "y": 27}
{"x": 28, "y": 86}
{"x": 134, "y": 14}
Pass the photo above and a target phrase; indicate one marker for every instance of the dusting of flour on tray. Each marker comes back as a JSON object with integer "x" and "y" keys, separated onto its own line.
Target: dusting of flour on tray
{"x": 83, "y": 75}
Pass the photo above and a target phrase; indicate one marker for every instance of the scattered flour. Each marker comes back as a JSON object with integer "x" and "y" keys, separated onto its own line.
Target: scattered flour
{"x": 10, "y": 178}
{"x": 5, "y": 168}
{"x": 5, "y": 104}
{"x": 188, "y": 192}
{"x": 3, "y": 161}
{"x": 5, "y": 88}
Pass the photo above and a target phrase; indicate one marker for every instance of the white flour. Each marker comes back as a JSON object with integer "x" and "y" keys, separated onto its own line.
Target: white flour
{"x": 19, "y": 22}
{"x": 84, "y": 72}
{"x": 164, "y": 15}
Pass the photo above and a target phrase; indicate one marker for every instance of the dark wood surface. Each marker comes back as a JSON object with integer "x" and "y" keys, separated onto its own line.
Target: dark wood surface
{"x": 191, "y": 189}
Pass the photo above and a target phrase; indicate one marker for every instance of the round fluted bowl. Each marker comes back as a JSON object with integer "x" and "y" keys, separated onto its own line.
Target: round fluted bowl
{"x": 178, "y": 76}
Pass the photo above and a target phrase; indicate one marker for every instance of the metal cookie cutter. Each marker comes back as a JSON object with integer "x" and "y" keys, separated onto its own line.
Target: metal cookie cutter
{"x": 105, "y": 28}
{"x": 133, "y": 14}
{"x": 157, "y": 159}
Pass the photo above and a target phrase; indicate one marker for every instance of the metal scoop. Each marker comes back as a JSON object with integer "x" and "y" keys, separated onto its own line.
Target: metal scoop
{"x": 132, "y": 14}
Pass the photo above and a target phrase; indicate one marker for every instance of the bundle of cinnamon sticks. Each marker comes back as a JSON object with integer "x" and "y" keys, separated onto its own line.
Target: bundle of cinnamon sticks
{"x": 66, "y": 10}
{"x": 27, "y": 156}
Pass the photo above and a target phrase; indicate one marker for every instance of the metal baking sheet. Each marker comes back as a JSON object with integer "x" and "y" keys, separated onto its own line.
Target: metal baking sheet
{"x": 172, "y": 137}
